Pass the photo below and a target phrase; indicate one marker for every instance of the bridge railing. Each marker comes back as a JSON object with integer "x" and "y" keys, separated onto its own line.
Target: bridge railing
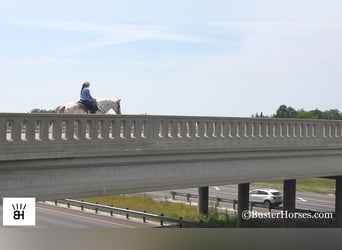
{"x": 31, "y": 134}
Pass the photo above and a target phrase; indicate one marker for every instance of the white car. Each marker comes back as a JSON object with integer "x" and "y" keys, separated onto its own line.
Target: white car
{"x": 269, "y": 197}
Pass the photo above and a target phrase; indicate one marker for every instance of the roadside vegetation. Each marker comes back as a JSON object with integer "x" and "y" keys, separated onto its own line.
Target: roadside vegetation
{"x": 313, "y": 185}
{"x": 165, "y": 208}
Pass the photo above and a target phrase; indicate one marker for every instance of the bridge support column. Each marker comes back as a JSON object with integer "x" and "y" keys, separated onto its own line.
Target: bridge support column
{"x": 289, "y": 203}
{"x": 338, "y": 202}
{"x": 203, "y": 200}
{"x": 243, "y": 203}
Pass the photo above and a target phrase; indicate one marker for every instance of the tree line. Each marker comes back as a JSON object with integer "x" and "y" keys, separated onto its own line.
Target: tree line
{"x": 289, "y": 112}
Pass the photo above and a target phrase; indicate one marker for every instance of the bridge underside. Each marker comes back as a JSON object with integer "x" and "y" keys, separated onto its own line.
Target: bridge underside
{"x": 142, "y": 171}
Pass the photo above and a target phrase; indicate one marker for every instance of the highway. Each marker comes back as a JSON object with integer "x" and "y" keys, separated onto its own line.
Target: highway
{"x": 51, "y": 216}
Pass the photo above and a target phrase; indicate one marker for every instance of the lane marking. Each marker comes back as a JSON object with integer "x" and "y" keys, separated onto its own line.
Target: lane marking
{"x": 322, "y": 201}
{"x": 84, "y": 217}
{"x": 301, "y": 199}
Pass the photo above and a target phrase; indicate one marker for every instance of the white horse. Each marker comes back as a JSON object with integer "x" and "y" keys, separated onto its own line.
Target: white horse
{"x": 78, "y": 108}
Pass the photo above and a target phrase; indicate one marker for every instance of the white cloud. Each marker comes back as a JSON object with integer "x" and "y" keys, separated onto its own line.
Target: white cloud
{"x": 106, "y": 35}
{"x": 37, "y": 62}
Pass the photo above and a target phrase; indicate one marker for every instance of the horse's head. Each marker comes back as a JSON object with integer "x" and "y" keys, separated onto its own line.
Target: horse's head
{"x": 117, "y": 106}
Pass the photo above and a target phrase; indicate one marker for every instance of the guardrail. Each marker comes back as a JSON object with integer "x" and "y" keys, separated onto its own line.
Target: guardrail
{"x": 161, "y": 218}
{"x": 217, "y": 200}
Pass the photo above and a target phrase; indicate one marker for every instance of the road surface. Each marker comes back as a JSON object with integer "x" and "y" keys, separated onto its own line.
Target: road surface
{"x": 50, "y": 216}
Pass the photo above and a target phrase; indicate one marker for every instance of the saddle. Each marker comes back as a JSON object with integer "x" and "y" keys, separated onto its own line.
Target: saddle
{"x": 83, "y": 106}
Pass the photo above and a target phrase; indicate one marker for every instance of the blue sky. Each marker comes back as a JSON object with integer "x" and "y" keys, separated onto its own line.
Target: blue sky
{"x": 216, "y": 58}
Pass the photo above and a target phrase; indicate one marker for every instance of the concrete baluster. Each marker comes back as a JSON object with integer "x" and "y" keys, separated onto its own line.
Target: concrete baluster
{"x": 192, "y": 129}
{"x": 116, "y": 129}
{"x": 163, "y": 133}
{"x": 248, "y": 129}
{"x": 173, "y": 124}
{"x": 201, "y": 129}
{"x": 210, "y": 129}
{"x": 126, "y": 129}
{"x": 262, "y": 131}
{"x": 135, "y": 129}
{"x": 274, "y": 130}
{"x": 56, "y": 130}
{"x": 3, "y": 130}
{"x": 144, "y": 129}
{"x": 288, "y": 130}
{"x": 30, "y": 129}
{"x": 16, "y": 130}
{"x": 233, "y": 129}
{"x": 183, "y": 129}
{"x": 44, "y": 129}
{"x": 92, "y": 127}
{"x": 81, "y": 129}
{"x": 220, "y": 129}
{"x": 225, "y": 129}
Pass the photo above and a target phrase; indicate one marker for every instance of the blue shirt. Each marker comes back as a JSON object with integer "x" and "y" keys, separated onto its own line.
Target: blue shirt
{"x": 85, "y": 95}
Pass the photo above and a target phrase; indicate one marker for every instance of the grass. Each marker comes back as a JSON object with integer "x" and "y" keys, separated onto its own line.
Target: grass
{"x": 314, "y": 185}
{"x": 167, "y": 208}
{"x": 147, "y": 204}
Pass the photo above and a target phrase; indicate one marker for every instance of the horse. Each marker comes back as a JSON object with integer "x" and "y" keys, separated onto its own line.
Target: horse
{"x": 78, "y": 108}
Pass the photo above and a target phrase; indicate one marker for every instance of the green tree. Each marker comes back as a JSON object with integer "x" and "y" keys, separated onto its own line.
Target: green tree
{"x": 332, "y": 114}
{"x": 302, "y": 114}
{"x": 285, "y": 112}
{"x": 288, "y": 112}
{"x": 317, "y": 114}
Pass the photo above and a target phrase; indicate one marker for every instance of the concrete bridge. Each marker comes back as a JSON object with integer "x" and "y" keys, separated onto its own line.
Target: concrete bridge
{"x": 55, "y": 156}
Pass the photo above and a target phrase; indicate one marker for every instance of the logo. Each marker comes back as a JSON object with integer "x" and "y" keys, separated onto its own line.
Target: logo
{"x": 19, "y": 211}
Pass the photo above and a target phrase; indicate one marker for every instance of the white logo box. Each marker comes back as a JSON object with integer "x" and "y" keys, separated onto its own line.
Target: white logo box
{"x": 19, "y": 211}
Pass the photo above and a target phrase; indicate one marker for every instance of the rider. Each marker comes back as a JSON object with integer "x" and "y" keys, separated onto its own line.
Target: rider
{"x": 87, "y": 99}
